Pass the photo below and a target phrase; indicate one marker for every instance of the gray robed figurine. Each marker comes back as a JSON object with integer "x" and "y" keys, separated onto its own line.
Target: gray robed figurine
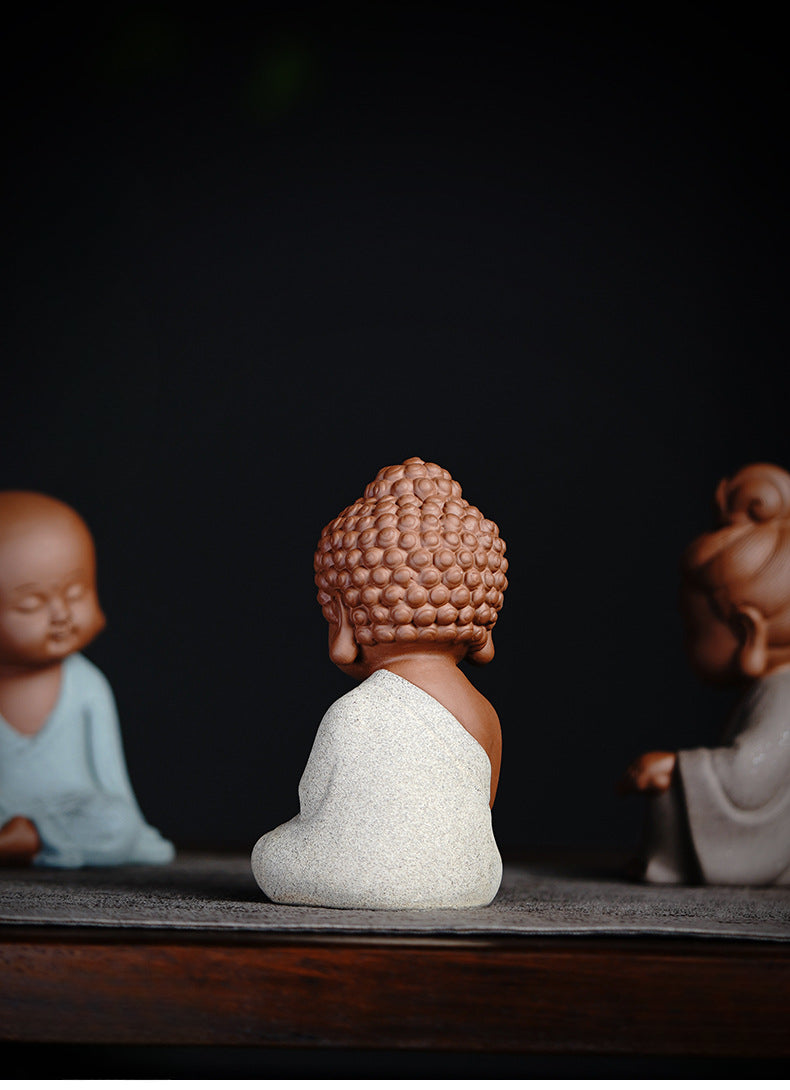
{"x": 722, "y": 815}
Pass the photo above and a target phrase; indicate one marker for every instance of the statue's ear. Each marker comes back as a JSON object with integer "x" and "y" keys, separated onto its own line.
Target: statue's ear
{"x": 481, "y": 653}
{"x": 343, "y": 647}
{"x": 751, "y": 630}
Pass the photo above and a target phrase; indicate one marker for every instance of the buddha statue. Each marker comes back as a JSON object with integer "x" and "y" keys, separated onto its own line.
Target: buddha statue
{"x": 395, "y": 800}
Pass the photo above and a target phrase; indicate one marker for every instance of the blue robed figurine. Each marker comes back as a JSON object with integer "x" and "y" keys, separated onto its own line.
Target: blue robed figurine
{"x": 65, "y": 795}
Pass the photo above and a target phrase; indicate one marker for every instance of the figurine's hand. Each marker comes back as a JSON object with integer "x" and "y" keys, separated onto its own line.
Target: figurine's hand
{"x": 19, "y": 842}
{"x": 652, "y": 773}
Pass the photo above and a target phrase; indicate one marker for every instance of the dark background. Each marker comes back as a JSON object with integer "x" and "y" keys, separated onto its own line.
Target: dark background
{"x": 256, "y": 253}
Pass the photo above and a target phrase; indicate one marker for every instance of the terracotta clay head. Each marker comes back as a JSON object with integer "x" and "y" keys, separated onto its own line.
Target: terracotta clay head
{"x": 411, "y": 562}
{"x": 49, "y": 606}
{"x": 735, "y": 590}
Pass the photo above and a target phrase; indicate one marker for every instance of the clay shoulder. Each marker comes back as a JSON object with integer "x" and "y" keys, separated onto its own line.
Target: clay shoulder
{"x": 473, "y": 711}
{"x": 481, "y": 704}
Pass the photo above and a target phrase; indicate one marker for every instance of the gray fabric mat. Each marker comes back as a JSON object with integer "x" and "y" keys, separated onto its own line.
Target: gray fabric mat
{"x": 557, "y": 895}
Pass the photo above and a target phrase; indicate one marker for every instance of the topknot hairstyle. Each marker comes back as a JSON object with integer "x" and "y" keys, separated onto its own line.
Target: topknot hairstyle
{"x": 746, "y": 561}
{"x": 413, "y": 560}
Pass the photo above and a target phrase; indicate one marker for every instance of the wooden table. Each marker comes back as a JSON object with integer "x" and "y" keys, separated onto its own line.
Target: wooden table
{"x": 568, "y": 995}
{"x": 484, "y": 996}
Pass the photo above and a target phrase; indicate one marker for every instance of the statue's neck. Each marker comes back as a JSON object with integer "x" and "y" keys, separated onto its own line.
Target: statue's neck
{"x": 413, "y": 661}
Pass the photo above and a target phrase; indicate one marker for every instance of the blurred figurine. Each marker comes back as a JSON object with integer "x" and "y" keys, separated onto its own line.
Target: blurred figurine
{"x": 722, "y": 815}
{"x": 396, "y": 796}
{"x": 65, "y": 796}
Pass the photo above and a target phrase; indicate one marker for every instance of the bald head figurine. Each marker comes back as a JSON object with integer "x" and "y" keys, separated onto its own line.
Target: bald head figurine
{"x": 65, "y": 796}
{"x": 49, "y": 606}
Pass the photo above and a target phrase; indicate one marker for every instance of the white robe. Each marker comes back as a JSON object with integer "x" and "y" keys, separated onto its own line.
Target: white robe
{"x": 394, "y": 809}
{"x": 70, "y": 780}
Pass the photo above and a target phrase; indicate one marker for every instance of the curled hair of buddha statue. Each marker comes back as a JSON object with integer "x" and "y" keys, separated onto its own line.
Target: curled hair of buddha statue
{"x": 746, "y": 560}
{"x": 412, "y": 560}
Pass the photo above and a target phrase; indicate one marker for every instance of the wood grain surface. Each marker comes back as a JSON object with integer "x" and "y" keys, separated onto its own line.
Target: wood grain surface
{"x": 571, "y": 995}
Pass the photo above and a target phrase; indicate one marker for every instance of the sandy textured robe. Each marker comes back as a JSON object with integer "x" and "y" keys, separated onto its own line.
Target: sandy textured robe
{"x": 732, "y": 803}
{"x": 70, "y": 779}
{"x": 394, "y": 809}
